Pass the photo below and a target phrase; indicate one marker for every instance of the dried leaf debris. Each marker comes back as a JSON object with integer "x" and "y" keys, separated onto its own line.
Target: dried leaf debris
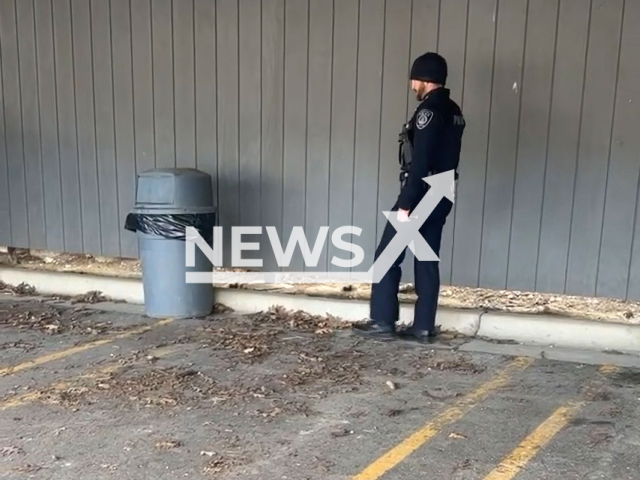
{"x": 51, "y": 319}
{"x": 267, "y": 364}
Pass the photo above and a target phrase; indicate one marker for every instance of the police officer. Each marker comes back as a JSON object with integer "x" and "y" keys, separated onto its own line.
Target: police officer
{"x": 430, "y": 143}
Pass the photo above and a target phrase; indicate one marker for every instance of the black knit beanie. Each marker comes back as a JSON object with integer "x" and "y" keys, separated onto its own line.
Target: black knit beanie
{"x": 430, "y": 67}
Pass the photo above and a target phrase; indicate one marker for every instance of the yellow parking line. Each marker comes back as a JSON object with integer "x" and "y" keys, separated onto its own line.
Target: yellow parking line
{"x": 511, "y": 465}
{"x": 58, "y": 386}
{"x": 452, "y": 414}
{"x": 78, "y": 349}
{"x": 62, "y": 385}
{"x": 529, "y": 447}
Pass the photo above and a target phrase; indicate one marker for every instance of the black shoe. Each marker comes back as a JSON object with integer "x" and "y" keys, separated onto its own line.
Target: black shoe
{"x": 375, "y": 331}
{"x": 420, "y": 336}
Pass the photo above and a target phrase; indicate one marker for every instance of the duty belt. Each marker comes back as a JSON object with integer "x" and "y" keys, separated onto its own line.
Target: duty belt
{"x": 404, "y": 175}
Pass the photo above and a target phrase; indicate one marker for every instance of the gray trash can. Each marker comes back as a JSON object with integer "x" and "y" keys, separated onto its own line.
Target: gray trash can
{"x": 167, "y": 201}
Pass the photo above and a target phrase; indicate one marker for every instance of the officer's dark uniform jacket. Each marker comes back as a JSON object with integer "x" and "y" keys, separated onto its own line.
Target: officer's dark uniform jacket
{"x": 430, "y": 143}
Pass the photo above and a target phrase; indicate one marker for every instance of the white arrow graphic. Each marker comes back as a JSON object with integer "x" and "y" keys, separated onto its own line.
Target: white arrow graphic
{"x": 407, "y": 233}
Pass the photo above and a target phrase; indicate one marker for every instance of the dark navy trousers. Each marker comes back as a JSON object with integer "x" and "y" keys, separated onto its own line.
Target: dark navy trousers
{"x": 384, "y": 305}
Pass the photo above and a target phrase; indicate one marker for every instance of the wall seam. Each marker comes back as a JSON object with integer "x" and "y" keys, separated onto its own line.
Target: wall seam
{"x": 306, "y": 127}
{"x": 578, "y": 150}
{"x": 24, "y": 167}
{"x": 613, "y": 121}
{"x": 282, "y": 116}
{"x": 6, "y": 152}
{"x": 261, "y": 100}
{"x": 57, "y": 114}
{"x": 77, "y": 136}
{"x": 546, "y": 154}
{"x": 115, "y": 131}
{"x": 438, "y": 34}
{"x": 217, "y": 95}
{"x": 153, "y": 87}
{"x": 195, "y": 84}
{"x": 517, "y": 152}
{"x": 133, "y": 102}
{"x": 238, "y": 110}
{"x": 382, "y": 79}
{"x": 355, "y": 116}
{"x": 38, "y": 82}
{"x": 333, "y": 44}
{"x": 484, "y": 190}
{"x": 95, "y": 126}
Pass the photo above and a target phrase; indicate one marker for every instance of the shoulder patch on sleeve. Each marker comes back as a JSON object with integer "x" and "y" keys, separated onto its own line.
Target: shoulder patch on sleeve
{"x": 423, "y": 118}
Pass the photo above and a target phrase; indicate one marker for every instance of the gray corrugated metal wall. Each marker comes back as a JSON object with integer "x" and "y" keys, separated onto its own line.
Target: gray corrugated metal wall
{"x": 294, "y": 106}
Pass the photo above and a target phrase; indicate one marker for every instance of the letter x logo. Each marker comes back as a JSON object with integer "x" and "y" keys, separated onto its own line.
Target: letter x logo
{"x": 408, "y": 233}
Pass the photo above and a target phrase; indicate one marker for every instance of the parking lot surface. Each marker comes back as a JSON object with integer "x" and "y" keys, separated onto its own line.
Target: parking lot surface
{"x": 106, "y": 393}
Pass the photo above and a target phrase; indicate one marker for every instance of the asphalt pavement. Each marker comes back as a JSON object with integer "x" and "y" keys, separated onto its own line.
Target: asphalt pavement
{"x": 100, "y": 391}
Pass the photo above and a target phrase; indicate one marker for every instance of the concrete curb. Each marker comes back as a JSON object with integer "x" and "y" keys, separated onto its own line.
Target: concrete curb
{"x": 64, "y": 283}
{"x": 464, "y": 322}
{"x": 560, "y": 331}
{"x": 529, "y": 329}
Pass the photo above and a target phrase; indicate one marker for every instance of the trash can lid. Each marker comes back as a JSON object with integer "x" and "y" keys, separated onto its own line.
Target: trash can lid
{"x": 174, "y": 190}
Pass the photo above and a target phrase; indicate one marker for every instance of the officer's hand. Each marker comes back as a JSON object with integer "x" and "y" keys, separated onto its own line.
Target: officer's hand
{"x": 403, "y": 215}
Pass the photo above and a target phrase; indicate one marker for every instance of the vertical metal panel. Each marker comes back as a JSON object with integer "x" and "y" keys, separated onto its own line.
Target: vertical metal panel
{"x": 564, "y": 132}
{"x": 66, "y": 126}
{"x": 425, "y": 30}
{"x": 49, "y": 126}
{"x": 105, "y": 128}
{"x": 452, "y": 21}
{"x": 31, "y": 123}
{"x": 250, "y": 43}
{"x": 163, "y": 87}
{"x": 393, "y": 111}
{"x": 532, "y": 144}
{"x": 185, "y": 117}
{"x": 597, "y": 116}
{"x": 624, "y": 166}
{"x": 343, "y": 115}
{"x": 143, "y": 93}
{"x": 13, "y": 123}
{"x": 205, "y": 59}
{"x": 5, "y": 207}
{"x": 227, "y": 123}
{"x": 452, "y": 44}
{"x": 367, "y": 149}
{"x": 397, "y": 38}
{"x": 86, "y": 122}
{"x": 123, "y": 115}
{"x": 319, "y": 123}
{"x": 295, "y": 123}
{"x": 503, "y": 138}
{"x": 272, "y": 120}
{"x": 478, "y": 79}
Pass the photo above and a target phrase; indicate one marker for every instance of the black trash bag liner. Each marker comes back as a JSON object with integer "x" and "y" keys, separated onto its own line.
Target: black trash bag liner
{"x": 172, "y": 226}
